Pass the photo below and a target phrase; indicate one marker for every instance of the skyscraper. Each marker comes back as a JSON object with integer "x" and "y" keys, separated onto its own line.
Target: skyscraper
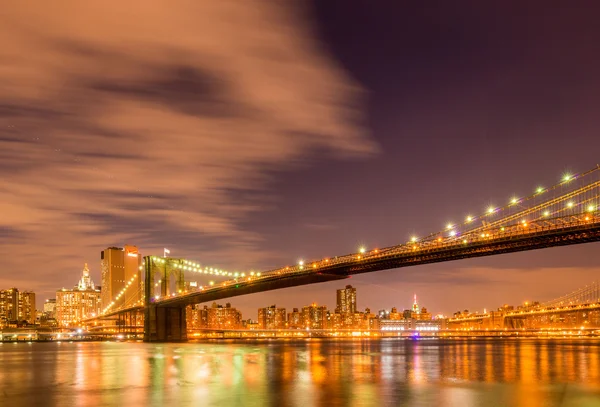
{"x": 120, "y": 266}
{"x": 346, "y": 300}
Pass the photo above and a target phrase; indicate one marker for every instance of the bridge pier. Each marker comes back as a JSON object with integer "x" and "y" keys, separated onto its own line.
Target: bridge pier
{"x": 164, "y": 324}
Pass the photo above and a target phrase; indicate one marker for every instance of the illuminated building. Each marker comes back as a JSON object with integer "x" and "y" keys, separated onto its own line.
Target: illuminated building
{"x": 314, "y": 316}
{"x": 346, "y": 300}
{"x": 215, "y": 317}
{"x": 294, "y": 319}
{"x": 81, "y": 302}
{"x": 50, "y": 308}
{"x": 16, "y": 307}
{"x": 118, "y": 267}
{"x": 424, "y": 315}
{"x": 271, "y": 318}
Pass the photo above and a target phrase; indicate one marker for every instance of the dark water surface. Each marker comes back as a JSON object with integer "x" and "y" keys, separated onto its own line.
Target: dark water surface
{"x": 487, "y": 373}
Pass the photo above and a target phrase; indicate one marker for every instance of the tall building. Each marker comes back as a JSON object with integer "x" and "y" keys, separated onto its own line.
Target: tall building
{"x": 118, "y": 267}
{"x": 346, "y": 300}
{"x": 27, "y": 307}
{"x": 9, "y": 306}
{"x": 271, "y": 318}
{"x": 16, "y": 307}
{"x": 81, "y": 302}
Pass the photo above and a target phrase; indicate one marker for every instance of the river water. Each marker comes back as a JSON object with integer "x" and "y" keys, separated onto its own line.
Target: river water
{"x": 394, "y": 372}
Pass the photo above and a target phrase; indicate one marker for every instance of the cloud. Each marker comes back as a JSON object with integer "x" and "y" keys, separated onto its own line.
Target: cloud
{"x": 138, "y": 124}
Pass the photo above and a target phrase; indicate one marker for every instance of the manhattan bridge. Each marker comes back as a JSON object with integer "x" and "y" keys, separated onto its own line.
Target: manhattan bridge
{"x": 563, "y": 214}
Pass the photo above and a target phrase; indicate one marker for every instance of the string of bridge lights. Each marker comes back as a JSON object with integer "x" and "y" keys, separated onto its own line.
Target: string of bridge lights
{"x": 119, "y": 295}
{"x": 450, "y": 230}
{"x": 567, "y": 177}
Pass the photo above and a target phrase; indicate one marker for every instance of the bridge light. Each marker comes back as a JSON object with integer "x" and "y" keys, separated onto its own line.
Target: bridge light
{"x": 413, "y": 239}
{"x": 469, "y": 218}
{"x": 502, "y": 229}
{"x": 514, "y": 201}
{"x": 569, "y": 204}
{"x": 211, "y": 283}
{"x": 449, "y": 226}
{"x": 465, "y": 241}
{"x": 539, "y": 190}
{"x": 546, "y": 213}
{"x": 491, "y": 209}
{"x": 567, "y": 177}
{"x": 362, "y": 250}
{"x": 252, "y": 273}
{"x": 591, "y": 208}
{"x": 453, "y": 233}
{"x": 301, "y": 263}
{"x": 258, "y": 274}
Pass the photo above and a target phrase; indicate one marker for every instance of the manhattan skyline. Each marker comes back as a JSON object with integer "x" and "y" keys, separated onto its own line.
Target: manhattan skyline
{"x": 377, "y": 127}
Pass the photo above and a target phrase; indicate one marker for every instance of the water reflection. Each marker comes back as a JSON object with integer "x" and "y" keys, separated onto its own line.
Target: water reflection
{"x": 303, "y": 373}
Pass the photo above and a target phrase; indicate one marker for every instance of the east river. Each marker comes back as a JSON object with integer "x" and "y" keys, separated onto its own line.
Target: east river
{"x": 386, "y": 372}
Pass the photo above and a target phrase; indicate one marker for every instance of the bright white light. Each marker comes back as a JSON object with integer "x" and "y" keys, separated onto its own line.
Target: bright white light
{"x": 546, "y": 213}
{"x": 413, "y": 239}
{"x": 514, "y": 201}
{"x": 469, "y": 218}
{"x": 567, "y": 177}
{"x": 591, "y": 208}
{"x": 569, "y": 204}
{"x": 449, "y": 226}
{"x": 491, "y": 209}
{"x": 453, "y": 233}
{"x": 301, "y": 262}
{"x": 362, "y": 250}
{"x": 539, "y": 190}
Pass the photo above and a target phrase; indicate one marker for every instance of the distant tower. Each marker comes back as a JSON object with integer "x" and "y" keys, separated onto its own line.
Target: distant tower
{"x": 415, "y": 307}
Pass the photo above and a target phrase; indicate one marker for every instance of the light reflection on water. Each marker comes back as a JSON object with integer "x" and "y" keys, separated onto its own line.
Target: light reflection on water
{"x": 303, "y": 373}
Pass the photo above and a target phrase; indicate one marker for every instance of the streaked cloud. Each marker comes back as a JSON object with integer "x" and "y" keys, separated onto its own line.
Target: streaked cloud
{"x": 138, "y": 124}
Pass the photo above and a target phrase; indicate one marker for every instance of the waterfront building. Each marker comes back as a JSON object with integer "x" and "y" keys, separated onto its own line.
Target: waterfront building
{"x": 294, "y": 319}
{"x": 272, "y": 318}
{"x": 314, "y": 316}
{"x": 120, "y": 265}
{"x": 214, "y": 317}
{"x": 16, "y": 307}
{"x": 219, "y": 317}
{"x": 81, "y": 302}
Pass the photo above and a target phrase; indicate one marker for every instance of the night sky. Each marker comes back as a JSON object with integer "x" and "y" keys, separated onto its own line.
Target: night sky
{"x": 249, "y": 135}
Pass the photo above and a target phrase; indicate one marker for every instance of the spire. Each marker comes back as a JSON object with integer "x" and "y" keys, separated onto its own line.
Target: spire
{"x": 86, "y": 282}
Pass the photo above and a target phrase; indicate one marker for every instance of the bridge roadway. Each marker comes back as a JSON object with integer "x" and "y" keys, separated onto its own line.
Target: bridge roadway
{"x": 511, "y": 239}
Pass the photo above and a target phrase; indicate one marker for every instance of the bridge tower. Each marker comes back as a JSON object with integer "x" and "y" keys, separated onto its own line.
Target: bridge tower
{"x": 163, "y": 323}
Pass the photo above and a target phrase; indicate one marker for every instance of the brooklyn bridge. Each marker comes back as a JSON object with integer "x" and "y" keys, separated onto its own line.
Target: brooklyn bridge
{"x": 566, "y": 213}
